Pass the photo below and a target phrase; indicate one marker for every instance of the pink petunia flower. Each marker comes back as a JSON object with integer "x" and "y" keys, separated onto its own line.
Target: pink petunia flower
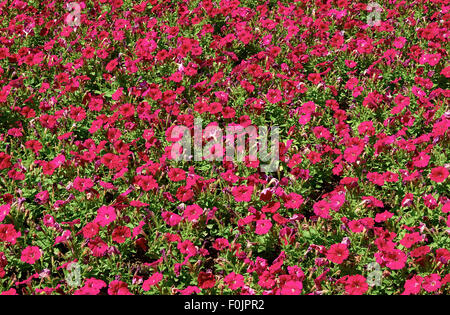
{"x": 263, "y": 226}
{"x": 31, "y": 254}
{"x": 105, "y": 215}
{"x": 432, "y": 283}
{"x": 153, "y": 280}
{"x": 234, "y": 281}
{"x": 4, "y": 211}
{"x": 192, "y": 213}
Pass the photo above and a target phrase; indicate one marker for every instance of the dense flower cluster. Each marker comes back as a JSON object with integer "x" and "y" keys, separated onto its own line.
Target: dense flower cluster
{"x": 92, "y": 203}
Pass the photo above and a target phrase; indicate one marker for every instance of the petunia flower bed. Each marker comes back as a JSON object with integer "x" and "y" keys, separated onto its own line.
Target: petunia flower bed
{"x": 97, "y": 96}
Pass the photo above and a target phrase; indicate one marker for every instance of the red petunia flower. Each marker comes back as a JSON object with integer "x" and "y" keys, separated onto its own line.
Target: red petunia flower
{"x": 90, "y": 230}
{"x": 117, "y": 287}
{"x": 337, "y": 253}
{"x": 242, "y": 193}
{"x": 356, "y": 285}
{"x": 439, "y": 174}
{"x": 120, "y": 234}
{"x": 274, "y": 96}
{"x": 206, "y": 280}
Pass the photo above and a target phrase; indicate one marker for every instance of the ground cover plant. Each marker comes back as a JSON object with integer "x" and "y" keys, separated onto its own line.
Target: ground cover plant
{"x": 91, "y": 201}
